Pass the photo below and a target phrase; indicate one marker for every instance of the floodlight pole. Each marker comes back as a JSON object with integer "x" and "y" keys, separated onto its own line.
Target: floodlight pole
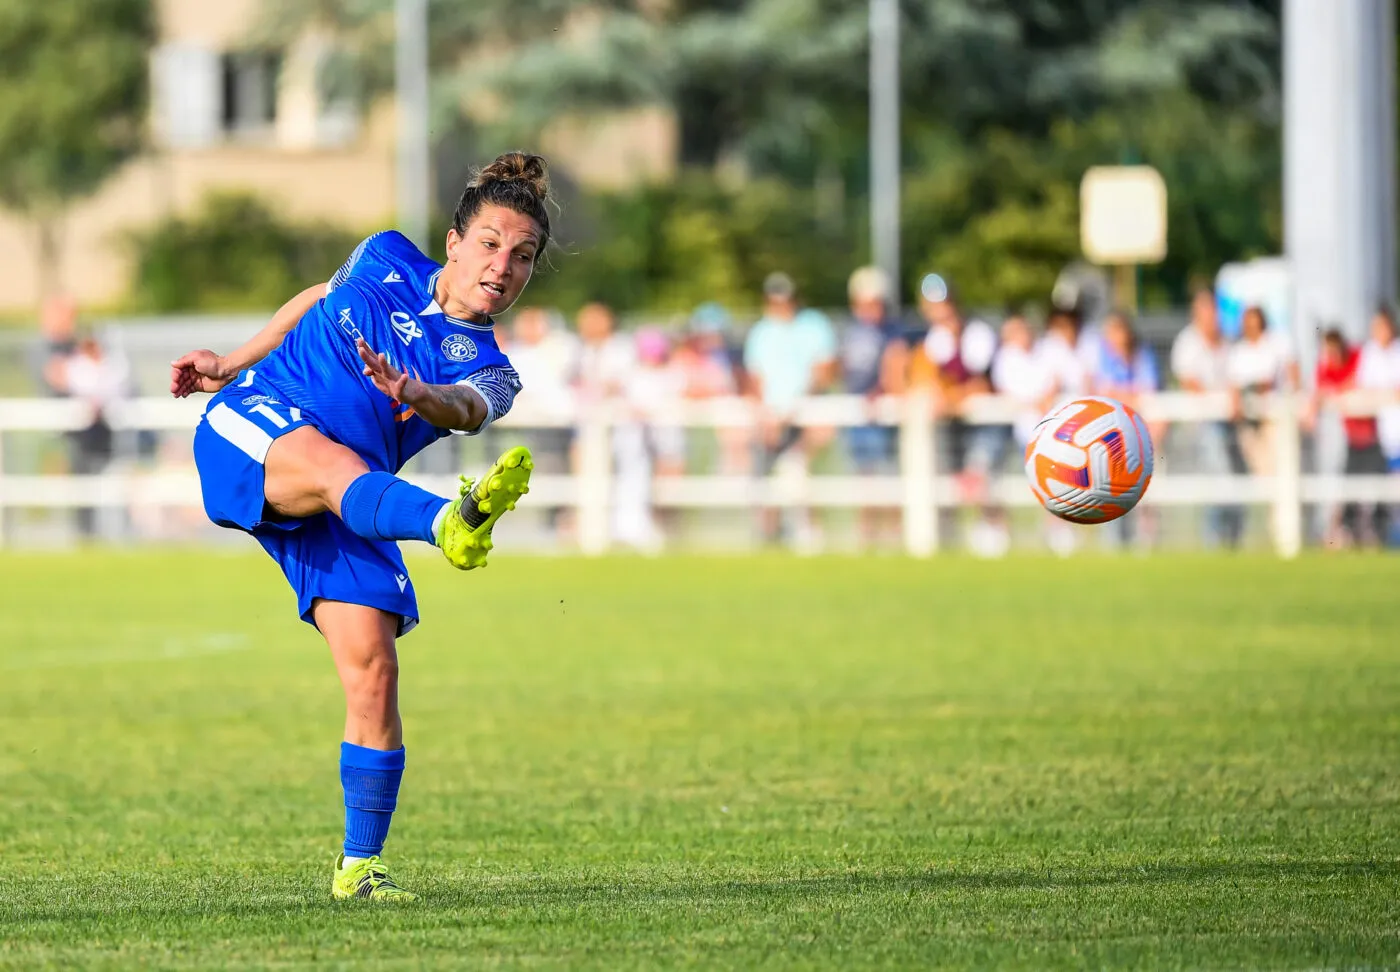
{"x": 413, "y": 169}
{"x": 884, "y": 140}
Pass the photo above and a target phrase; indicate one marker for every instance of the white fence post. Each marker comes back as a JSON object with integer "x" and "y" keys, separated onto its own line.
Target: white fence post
{"x": 917, "y": 473}
{"x": 593, "y": 510}
{"x": 1288, "y": 476}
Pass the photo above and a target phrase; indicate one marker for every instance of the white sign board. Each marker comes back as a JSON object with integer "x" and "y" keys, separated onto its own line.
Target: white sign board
{"x": 1123, "y": 215}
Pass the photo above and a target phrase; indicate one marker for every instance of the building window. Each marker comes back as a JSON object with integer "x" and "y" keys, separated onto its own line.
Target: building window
{"x": 249, "y": 91}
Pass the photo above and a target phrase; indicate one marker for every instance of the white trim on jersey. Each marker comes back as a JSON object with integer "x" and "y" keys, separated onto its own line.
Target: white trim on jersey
{"x": 240, "y": 432}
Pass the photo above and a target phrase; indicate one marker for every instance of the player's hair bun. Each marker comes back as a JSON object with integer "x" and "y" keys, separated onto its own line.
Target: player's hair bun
{"x": 530, "y": 170}
{"x": 515, "y": 180}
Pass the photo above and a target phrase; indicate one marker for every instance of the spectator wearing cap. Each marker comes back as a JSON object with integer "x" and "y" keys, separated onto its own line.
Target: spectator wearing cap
{"x": 874, "y": 358}
{"x": 953, "y": 358}
{"x": 1200, "y": 362}
{"x": 790, "y": 353}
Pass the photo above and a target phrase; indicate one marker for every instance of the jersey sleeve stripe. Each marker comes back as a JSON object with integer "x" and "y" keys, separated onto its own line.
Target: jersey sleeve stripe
{"x": 497, "y": 387}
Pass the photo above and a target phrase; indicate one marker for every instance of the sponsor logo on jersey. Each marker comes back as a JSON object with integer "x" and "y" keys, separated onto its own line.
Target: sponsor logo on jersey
{"x": 260, "y": 400}
{"x": 393, "y": 277}
{"x": 458, "y": 347}
{"x": 402, "y": 581}
{"x": 348, "y": 326}
{"x": 405, "y": 327}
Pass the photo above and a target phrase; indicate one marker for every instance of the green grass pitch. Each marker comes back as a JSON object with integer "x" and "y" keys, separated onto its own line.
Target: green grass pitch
{"x": 715, "y": 762}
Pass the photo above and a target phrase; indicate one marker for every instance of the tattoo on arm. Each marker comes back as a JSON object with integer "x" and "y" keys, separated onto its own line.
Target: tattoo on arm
{"x": 451, "y": 406}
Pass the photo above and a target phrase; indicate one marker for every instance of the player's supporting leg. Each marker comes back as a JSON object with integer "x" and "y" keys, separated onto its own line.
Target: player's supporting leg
{"x": 361, "y": 640}
{"x": 306, "y": 473}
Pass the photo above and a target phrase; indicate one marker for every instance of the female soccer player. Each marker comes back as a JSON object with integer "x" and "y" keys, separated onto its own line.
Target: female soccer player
{"x": 352, "y": 379}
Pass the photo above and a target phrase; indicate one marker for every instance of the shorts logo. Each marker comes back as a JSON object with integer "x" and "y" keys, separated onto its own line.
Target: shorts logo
{"x": 259, "y": 399}
{"x": 458, "y": 347}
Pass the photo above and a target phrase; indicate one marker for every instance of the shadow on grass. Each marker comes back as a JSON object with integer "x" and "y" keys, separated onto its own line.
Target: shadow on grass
{"x": 49, "y": 901}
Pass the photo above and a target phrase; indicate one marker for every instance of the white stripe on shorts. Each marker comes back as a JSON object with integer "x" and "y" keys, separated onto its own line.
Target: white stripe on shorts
{"x": 239, "y": 431}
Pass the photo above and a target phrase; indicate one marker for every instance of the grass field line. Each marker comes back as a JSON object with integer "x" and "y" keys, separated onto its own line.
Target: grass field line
{"x": 171, "y": 649}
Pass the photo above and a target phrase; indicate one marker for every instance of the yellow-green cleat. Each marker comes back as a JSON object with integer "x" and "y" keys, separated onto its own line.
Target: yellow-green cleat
{"x": 367, "y": 878}
{"x": 465, "y": 536}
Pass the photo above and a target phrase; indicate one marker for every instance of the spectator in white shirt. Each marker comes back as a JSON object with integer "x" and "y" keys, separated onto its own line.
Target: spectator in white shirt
{"x": 605, "y": 357}
{"x": 1200, "y": 358}
{"x": 1257, "y": 364}
{"x": 1378, "y": 369}
{"x": 99, "y": 379}
{"x": 546, "y": 356}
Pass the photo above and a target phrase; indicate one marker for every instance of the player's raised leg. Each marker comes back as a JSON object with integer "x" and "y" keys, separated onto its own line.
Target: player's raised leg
{"x": 361, "y": 640}
{"x": 306, "y": 473}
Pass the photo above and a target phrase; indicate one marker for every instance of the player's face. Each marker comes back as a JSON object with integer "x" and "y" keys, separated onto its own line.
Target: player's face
{"x": 489, "y": 265}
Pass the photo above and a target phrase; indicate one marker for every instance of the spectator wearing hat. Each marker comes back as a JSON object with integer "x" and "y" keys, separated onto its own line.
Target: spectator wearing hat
{"x": 873, "y": 357}
{"x": 790, "y": 353}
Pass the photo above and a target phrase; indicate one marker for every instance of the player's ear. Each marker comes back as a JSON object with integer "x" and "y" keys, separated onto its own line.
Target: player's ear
{"x": 453, "y": 240}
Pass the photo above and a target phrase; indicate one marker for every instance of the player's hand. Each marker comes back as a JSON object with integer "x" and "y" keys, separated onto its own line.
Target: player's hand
{"x": 199, "y": 371}
{"x": 378, "y": 369}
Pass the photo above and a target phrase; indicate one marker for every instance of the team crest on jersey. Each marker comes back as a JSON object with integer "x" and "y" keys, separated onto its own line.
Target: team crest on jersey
{"x": 405, "y": 327}
{"x": 458, "y": 347}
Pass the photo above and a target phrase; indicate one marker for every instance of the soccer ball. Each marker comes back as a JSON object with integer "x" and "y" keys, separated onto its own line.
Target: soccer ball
{"x": 1090, "y": 460}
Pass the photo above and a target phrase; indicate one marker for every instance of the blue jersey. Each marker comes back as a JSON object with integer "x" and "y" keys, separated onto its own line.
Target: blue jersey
{"x": 385, "y": 294}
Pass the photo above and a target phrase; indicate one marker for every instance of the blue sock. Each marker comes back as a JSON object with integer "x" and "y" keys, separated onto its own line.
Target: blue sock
{"x": 380, "y": 506}
{"x": 371, "y": 781}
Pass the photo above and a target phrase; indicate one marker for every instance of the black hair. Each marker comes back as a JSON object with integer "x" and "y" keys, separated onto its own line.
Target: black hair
{"x": 516, "y": 181}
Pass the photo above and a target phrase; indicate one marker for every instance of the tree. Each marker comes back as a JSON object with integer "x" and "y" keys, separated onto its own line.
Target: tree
{"x": 73, "y": 100}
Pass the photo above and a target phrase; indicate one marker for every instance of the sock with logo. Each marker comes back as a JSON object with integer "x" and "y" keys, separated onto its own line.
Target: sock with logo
{"x": 379, "y": 506}
{"x": 370, "y": 778}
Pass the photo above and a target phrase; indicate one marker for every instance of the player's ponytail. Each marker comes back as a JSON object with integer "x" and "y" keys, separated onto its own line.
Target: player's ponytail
{"x": 516, "y": 181}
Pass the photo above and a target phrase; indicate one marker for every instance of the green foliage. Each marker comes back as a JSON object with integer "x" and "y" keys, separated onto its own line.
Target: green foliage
{"x": 670, "y": 247}
{"x": 1005, "y": 103}
{"x": 73, "y": 95}
{"x": 234, "y": 253}
{"x": 739, "y": 763}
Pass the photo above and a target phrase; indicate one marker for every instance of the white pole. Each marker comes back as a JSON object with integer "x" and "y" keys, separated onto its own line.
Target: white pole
{"x": 1339, "y": 163}
{"x": 414, "y": 166}
{"x": 917, "y": 472}
{"x": 884, "y": 139}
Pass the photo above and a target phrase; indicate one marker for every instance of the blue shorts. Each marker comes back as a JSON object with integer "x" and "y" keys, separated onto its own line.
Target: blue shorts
{"x": 872, "y": 447}
{"x": 319, "y": 555}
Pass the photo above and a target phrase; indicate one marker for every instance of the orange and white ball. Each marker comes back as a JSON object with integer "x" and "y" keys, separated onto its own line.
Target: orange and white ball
{"x": 1090, "y": 460}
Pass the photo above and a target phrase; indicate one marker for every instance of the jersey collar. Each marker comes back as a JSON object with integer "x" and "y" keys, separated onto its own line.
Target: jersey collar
{"x": 434, "y": 308}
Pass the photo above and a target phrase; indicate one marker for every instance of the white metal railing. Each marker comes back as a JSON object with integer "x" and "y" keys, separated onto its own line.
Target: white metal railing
{"x": 916, "y": 489}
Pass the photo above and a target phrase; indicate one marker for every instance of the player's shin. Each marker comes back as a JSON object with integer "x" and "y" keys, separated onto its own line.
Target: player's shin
{"x": 371, "y": 779}
{"x": 380, "y": 506}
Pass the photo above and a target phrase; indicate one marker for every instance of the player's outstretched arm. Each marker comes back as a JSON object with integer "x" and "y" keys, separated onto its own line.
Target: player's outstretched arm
{"x": 446, "y": 406}
{"x": 205, "y": 371}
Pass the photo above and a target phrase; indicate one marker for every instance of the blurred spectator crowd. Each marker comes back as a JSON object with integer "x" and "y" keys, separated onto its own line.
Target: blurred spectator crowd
{"x": 794, "y": 351}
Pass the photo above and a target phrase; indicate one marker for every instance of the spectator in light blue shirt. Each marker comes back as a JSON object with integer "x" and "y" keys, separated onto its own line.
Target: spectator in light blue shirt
{"x": 789, "y": 354}
{"x": 1125, "y": 367}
